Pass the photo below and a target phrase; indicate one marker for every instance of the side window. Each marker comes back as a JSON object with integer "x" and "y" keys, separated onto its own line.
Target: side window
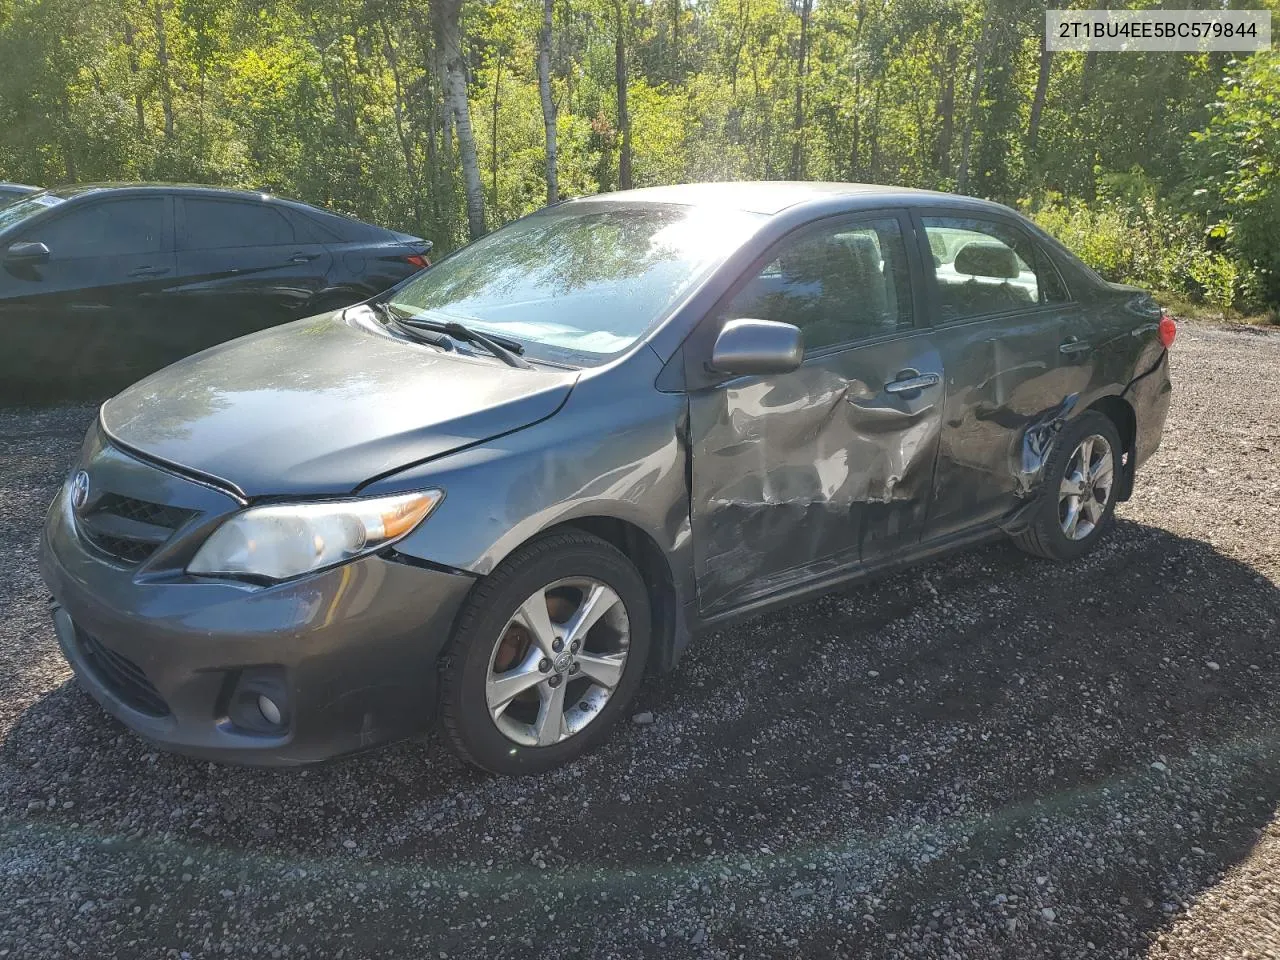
{"x": 984, "y": 267}
{"x": 105, "y": 229}
{"x": 1052, "y": 288}
{"x": 840, "y": 281}
{"x": 217, "y": 224}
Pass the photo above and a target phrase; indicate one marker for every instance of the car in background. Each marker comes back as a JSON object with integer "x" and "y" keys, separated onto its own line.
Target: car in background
{"x": 103, "y": 284}
{"x": 12, "y": 192}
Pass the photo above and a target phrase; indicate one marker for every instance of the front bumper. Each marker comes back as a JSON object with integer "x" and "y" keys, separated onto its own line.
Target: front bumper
{"x": 350, "y": 651}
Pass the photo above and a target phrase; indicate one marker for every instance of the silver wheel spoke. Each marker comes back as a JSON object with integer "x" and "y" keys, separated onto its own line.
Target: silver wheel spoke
{"x": 1093, "y": 510}
{"x": 1103, "y": 471}
{"x": 1072, "y": 518}
{"x": 1072, "y": 485}
{"x": 598, "y": 601}
{"x": 549, "y": 727}
{"x": 604, "y": 669}
{"x": 533, "y": 615}
{"x": 1086, "y": 456}
{"x": 502, "y": 688}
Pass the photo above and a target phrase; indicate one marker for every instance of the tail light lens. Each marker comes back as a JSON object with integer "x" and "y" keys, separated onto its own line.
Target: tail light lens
{"x": 1167, "y": 330}
{"x": 418, "y": 260}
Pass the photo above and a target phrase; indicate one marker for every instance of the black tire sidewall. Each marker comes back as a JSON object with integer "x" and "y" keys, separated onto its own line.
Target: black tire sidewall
{"x": 532, "y": 568}
{"x": 1051, "y": 534}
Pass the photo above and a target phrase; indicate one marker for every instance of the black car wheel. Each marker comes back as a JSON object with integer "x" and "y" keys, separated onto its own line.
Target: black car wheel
{"x": 547, "y": 653}
{"x": 1078, "y": 502}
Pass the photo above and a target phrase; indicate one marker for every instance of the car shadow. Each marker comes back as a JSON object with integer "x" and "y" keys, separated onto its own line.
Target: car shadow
{"x": 988, "y": 754}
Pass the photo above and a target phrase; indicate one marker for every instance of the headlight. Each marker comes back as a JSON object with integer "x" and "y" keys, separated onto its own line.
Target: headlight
{"x": 280, "y": 541}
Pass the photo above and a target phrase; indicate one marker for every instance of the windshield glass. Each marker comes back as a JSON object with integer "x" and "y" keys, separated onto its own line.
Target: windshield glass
{"x": 584, "y": 280}
{"x": 27, "y": 207}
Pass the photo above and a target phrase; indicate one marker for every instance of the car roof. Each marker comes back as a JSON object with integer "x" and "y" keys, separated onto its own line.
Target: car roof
{"x": 185, "y": 189}
{"x": 771, "y": 197}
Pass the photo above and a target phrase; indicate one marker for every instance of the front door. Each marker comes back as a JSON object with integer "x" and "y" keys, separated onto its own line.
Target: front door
{"x": 1016, "y": 349}
{"x": 81, "y": 322}
{"x": 798, "y": 475}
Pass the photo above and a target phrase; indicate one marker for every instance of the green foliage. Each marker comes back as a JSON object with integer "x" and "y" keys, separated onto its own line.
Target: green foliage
{"x": 1136, "y": 239}
{"x": 1239, "y": 156}
{"x": 340, "y": 102}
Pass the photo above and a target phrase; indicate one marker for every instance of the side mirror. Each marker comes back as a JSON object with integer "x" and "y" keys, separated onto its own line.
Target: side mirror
{"x": 757, "y": 347}
{"x": 26, "y": 252}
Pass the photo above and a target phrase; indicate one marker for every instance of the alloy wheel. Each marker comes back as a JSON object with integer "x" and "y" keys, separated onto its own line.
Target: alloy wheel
{"x": 557, "y": 662}
{"x": 1085, "y": 490}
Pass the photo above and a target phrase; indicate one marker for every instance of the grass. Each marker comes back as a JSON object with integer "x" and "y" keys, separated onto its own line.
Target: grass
{"x": 1183, "y": 309}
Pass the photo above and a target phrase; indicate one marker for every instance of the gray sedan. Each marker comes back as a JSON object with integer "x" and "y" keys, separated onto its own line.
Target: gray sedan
{"x": 500, "y": 494}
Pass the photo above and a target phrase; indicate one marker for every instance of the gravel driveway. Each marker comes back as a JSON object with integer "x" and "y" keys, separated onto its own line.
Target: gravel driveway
{"x": 988, "y": 756}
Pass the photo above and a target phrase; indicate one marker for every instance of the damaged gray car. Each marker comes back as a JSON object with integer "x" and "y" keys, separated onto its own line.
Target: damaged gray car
{"x": 497, "y": 496}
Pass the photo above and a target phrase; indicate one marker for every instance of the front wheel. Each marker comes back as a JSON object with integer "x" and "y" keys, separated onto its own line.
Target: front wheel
{"x": 1079, "y": 496}
{"x": 548, "y": 652}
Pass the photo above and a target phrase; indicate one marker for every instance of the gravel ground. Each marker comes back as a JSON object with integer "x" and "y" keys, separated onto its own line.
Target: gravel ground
{"x": 988, "y": 756}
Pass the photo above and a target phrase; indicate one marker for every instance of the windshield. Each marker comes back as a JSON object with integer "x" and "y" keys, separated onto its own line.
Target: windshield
{"x": 27, "y": 207}
{"x": 583, "y": 280}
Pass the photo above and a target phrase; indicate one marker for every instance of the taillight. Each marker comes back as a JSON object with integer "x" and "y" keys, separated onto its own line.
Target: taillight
{"x": 418, "y": 260}
{"x": 1167, "y": 330}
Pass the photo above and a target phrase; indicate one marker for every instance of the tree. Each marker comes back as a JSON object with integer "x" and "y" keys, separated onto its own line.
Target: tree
{"x": 447, "y": 24}
{"x": 621, "y": 29}
{"x": 548, "y": 101}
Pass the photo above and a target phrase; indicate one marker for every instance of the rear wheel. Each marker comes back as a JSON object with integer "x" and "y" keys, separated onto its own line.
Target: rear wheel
{"x": 1078, "y": 501}
{"x": 548, "y": 652}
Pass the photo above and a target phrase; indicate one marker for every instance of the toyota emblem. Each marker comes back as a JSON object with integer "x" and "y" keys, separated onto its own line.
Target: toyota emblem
{"x": 80, "y": 490}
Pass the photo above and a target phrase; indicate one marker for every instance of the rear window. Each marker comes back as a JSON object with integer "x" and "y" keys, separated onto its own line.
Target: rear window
{"x": 217, "y": 224}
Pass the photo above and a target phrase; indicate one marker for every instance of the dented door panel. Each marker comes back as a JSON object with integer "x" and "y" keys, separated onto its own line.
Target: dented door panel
{"x": 1009, "y": 388}
{"x": 797, "y": 475}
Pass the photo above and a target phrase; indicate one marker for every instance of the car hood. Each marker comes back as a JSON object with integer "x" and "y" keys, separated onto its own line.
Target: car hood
{"x": 322, "y": 405}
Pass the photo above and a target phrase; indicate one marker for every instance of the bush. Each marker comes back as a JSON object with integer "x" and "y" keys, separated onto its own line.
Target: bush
{"x": 1139, "y": 242}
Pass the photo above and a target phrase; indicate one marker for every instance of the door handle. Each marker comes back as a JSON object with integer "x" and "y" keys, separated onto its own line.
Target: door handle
{"x": 1074, "y": 346}
{"x": 910, "y": 384}
{"x": 303, "y": 257}
{"x": 149, "y": 272}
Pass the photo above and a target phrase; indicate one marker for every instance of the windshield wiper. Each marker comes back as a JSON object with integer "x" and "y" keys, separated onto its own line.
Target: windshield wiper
{"x": 422, "y": 336}
{"x": 505, "y": 350}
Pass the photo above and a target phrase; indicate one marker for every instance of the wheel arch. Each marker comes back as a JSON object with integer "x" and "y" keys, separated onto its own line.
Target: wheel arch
{"x": 643, "y": 551}
{"x": 1121, "y": 413}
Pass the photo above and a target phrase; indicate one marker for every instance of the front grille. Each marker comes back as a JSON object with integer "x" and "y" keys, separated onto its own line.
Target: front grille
{"x": 143, "y": 511}
{"x": 121, "y": 676}
{"x": 122, "y": 548}
{"x": 130, "y": 530}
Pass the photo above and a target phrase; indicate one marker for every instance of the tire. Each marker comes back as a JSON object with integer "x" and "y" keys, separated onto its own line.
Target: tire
{"x": 1047, "y": 535}
{"x": 496, "y": 641}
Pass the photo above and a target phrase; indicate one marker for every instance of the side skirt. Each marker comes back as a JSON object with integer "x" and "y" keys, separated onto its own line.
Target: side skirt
{"x": 855, "y": 574}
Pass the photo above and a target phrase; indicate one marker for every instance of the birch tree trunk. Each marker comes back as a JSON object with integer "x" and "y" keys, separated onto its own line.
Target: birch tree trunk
{"x": 448, "y": 29}
{"x": 548, "y": 103}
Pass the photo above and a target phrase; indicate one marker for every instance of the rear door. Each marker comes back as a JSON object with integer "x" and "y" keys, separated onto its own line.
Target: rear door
{"x": 93, "y": 312}
{"x": 1016, "y": 349}
{"x": 245, "y": 265}
{"x": 798, "y": 475}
